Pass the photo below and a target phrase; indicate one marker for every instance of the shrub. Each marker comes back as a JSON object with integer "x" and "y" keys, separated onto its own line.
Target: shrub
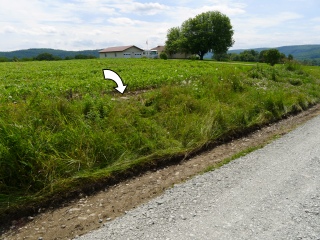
{"x": 194, "y": 57}
{"x": 164, "y": 56}
{"x": 272, "y": 56}
{"x": 46, "y": 57}
{"x": 293, "y": 66}
{"x": 4, "y": 59}
{"x": 83, "y": 56}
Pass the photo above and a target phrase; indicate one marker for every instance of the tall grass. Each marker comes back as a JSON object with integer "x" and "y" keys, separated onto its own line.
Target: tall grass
{"x": 52, "y": 141}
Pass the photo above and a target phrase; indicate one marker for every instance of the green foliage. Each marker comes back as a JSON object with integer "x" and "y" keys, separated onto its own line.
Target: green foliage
{"x": 46, "y": 57}
{"x": 272, "y": 56}
{"x": 254, "y": 56}
{"x": 246, "y": 56}
{"x": 173, "y": 42}
{"x": 249, "y": 56}
{"x": 302, "y": 52}
{"x": 4, "y": 59}
{"x": 61, "y": 126}
{"x": 163, "y": 56}
{"x": 82, "y": 56}
{"x": 308, "y": 53}
{"x": 207, "y": 31}
{"x": 262, "y": 56}
{"x": 311, "y": 62}
{"x": 293, "y": 66}
{"x": 194, "y": 57}
{"x": 221, "y": 57}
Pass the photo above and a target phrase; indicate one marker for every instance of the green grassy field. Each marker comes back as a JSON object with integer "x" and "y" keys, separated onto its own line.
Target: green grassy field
{"x": 62, "y": 126}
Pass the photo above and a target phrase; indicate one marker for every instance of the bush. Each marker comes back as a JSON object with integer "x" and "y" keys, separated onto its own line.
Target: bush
{"x": 194, "y": 57}
{"x": 83, "y": 56}
{"x": 272, "y": 56}
{"x": 4, "y": 59}
{"x": 293, "y": 66}
{"x": 45, "y": 57}
{"x": 164, "y": 56}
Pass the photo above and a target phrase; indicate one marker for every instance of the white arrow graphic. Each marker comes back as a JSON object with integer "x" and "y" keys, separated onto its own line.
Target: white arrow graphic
{"x": 109, "y": 74}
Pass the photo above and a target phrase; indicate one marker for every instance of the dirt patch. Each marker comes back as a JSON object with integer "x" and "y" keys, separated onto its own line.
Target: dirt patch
{"x": 90, "y": 212}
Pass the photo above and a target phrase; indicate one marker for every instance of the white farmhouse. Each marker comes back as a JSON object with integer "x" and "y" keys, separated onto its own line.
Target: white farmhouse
{"x": 121, "y": 52}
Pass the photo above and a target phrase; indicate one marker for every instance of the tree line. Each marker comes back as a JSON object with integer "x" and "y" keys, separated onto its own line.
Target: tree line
{"x": 271, "y": 56}
{"x": 46, "y": 57}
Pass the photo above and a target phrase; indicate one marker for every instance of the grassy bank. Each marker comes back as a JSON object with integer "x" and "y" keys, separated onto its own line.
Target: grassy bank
{"x": 61, "y": 127}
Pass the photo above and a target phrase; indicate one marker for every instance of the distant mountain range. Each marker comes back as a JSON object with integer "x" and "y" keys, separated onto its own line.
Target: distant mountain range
{"x": 299, "y": 52}
{"x": 33, "y": 52}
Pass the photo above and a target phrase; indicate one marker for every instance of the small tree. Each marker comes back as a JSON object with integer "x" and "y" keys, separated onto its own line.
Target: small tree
{"x": 262, "y": 56}
{"x": 45, "y": 57}
{"x": 272, "y": 56}
{"x": 249, "y": 56}
{"x": 173, "y": 43}
{"x": 290, "y": 57}
{"x": 220, "y": 57}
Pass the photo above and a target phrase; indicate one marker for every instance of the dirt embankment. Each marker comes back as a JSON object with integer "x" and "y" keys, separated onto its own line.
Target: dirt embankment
{"x": 90, "y": 212}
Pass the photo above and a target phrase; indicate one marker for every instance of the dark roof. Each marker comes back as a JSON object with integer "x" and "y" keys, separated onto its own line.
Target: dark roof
{"x": 158, "y": 48}
{"x": 118, "y": 49}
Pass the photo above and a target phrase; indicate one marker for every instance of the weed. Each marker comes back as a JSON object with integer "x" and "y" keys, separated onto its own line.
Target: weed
{"x": 294, "y": 66}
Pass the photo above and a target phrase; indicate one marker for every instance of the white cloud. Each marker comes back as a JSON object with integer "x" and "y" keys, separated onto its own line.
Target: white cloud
{"x": 8, "y": 29}
{"x": 147, "y": 8}
{"x": 182, "y": 13}
{"x": 261, "y": 23}
{"x": 49, "y": 30}
{"x": 124, "y": 21}
{"x": 84, "y": 24}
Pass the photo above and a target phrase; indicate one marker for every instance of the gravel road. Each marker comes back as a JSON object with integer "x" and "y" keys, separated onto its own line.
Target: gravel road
{"x": 272, "y": 193}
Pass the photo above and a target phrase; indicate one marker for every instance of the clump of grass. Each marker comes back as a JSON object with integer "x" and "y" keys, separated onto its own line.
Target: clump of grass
{"x": 259, "y": 72}
{"x": 294, "y": 66}
{"x": 295, "y": 82}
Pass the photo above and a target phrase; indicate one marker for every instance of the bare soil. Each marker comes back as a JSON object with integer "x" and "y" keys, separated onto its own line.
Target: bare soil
{"x": 88, "y": 213}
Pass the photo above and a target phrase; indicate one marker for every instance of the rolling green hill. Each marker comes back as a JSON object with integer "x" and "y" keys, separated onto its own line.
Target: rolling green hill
{"x": 302, "y": 52}
{"x": 299, "y": 52}
{"x": 33, "y": 52}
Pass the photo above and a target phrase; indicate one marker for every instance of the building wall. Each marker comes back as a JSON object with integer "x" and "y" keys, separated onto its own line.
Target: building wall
{"x": 161, "y": 49}
{"x": 128, "y": 53}
{"x": 180, "y": 56}
{"x": 111, "y": 55}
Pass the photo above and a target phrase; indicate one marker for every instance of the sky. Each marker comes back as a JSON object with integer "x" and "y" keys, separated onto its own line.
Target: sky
{"x": 98, "y": 24}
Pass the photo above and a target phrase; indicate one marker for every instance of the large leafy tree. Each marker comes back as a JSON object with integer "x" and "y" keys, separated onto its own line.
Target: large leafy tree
{"x": 209, "y": 31}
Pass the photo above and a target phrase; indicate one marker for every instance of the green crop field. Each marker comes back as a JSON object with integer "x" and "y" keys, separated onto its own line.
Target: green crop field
{"x": 62, "y": 126}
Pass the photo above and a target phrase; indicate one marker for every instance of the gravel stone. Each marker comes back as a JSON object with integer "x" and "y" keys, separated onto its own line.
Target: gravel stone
{"x": 271, "y": 193}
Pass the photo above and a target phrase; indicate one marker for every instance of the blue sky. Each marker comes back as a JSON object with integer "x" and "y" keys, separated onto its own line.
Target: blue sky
{"x": 96, "y": 24}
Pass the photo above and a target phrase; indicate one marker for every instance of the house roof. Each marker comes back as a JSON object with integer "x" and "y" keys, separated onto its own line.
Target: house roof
{"x": 118, "y": 49}
{"x": 159, "y": 48}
